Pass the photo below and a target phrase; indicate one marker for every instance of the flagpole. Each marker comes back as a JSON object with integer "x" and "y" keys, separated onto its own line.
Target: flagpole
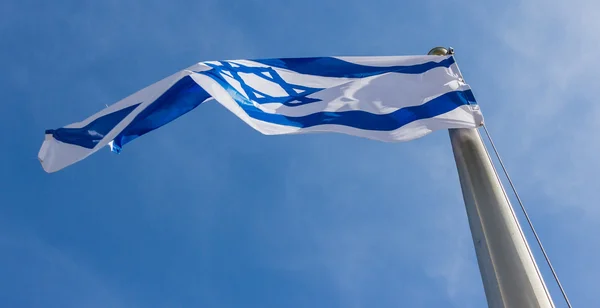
{"x": 508, "y": 269}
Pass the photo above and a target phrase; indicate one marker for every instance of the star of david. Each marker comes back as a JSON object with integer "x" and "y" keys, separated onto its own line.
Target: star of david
{"x": 296, "y": 94}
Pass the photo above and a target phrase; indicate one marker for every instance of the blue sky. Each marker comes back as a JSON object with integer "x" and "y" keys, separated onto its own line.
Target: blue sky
{"x": 206, "y": 212}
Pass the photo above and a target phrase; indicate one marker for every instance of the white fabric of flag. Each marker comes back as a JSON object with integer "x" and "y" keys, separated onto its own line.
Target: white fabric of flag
{"x": 392, "y": 98}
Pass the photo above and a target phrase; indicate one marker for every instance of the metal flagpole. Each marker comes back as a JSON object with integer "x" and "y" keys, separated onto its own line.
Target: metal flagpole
{"x": 508, "y": 269}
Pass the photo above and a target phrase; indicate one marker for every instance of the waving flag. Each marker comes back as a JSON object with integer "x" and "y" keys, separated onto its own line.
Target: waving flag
{"x": 395, "y": 98}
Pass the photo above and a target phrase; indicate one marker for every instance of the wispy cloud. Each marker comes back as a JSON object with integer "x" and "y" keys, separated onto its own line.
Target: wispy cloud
{"x": 550, "y": 96}
{"x": 359, "y": 239}
{"x": 386, "y": 225}
{"x": 545, "y": 118}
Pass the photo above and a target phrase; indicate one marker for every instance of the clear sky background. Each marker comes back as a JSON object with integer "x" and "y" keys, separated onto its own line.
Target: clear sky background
{"x": 206, "y": 212}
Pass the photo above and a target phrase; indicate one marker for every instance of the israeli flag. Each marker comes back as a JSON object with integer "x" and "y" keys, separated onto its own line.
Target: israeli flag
{"x": 396, "y": 98}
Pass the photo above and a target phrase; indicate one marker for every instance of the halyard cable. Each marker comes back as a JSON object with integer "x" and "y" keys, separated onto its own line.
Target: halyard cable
{"x": 562, "y": 290}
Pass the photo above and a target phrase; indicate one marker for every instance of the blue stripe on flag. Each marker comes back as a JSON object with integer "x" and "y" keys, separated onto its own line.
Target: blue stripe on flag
{"x": 89, "y": 135}
{"x": 355, "y": 118}
{"x": 181, "y": 98}
{"x": 334, "y": 67}
{"x": 369, "y": 121}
